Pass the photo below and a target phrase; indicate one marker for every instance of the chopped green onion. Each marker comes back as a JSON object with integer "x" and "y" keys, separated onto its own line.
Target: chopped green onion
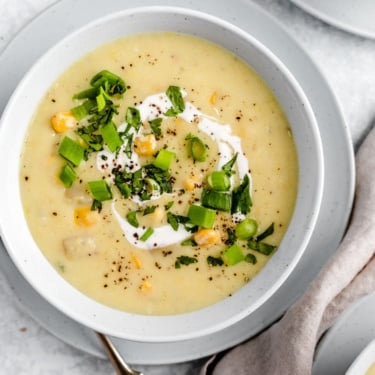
{"x": 133, "y": 118}
{"x": 178, "y": 104}
{"x": 215, "y": 261}
{"x": 202, "y": 216}
{"x": 241, "y": 200}
{"x": 197, "y": 148}
{"x": 184, "y": 260}
{"x": 152, "y": 186}
{"x": 155, "y": 125}
{"x": 90, "y": 93}
{"x": 228, "y": 167}
{"x": 246, "y": 229}
{"x": 124, "y": 189}
{"x": 111, "y": 82}
{"x": 266, "y": 233}
{"x": 67, "y": 175}
{"x": 233, "y": 255}
{"x": 82, "y": 110}
{"x": 262, "y": 247}
{"x": 147, "y": 234}
{"x": 100, "y": 102}
{"x": 188, "y": 242}
{"x": 131, "y": 217}
{"x": 219, "y": 181}
{"x": 111, "y": 137}
{"x": 217, "y": 200}
{"x": 71, "y": 151}
{"x": 164, "y": 159}
{"x": 100, "y": 190}
{"x": 250, "y": 258}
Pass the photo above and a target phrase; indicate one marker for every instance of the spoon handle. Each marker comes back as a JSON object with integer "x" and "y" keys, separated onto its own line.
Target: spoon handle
{"x": 121, "y": 367}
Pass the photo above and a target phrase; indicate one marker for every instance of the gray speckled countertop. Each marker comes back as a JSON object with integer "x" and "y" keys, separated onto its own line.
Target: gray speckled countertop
{"x": 347, "y": 61}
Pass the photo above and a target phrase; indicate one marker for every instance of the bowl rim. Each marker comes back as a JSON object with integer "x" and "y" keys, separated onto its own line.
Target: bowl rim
{"x": 364, "y": 360}
{"x": 98, "y": 320}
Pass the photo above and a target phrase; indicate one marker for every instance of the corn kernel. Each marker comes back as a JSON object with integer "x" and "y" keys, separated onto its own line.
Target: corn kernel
{"x": 192, "y": 182}
{"x": 85, "y": 217}
{"x": 213, "y": 98}
{"x": 63, "y": 121}
{"x": 137, "y": 262}
{"x": 145, "y": 145}
{"x": 146, "y": 286}
{"x": 206, "y": 237}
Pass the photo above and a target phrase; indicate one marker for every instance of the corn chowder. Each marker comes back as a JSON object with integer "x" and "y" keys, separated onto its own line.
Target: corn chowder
{"x": 159, "y": 174}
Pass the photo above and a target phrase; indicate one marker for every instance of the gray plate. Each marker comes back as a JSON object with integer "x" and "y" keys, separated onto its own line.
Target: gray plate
{"x": 354, "y": 16}
{"x": 41, "y": 33}
{"x": 352, "y": 332}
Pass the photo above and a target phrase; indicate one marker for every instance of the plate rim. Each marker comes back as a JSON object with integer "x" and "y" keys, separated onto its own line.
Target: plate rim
{"x": 334, "y": 21}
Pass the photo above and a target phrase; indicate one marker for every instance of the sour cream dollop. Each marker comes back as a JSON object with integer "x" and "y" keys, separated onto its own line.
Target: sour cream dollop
{"x": 152, "y": 107}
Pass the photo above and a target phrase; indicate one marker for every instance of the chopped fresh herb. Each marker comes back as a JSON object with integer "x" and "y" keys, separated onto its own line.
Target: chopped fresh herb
{"x": 155, "y": 126}
{"x": 266, "y": 233}
{"x": 162, "y": 177}
{"x": 168, "y": 205}
{"x": 262, "y": 247}
{"x": 241, "y": 200}
{"x": 184, "y": 260}
{"x": 110, "y": 82}
{"x": 122, "y": 182}
{"x": 67, "y": 175}
{"x": 178, "y": 104}
{"x": 71, "y": 151}
{"x": 215, "y": 261}
{"x": 228, "y": 167}
{"x": 149, "y": 210}
{"x": 147, "y": 234}
{"x": 131, "y": 217}
{"x": 93, "y": 141}
{"x": 96, "y": 205}
{"x": 133, "y": 118}
{"x": 250, "y": 258}
{"x": 128, "y": 147}
{"x": 231, "y": 239}
{"x": 189, "y": 242}
{"x": 172, "y": 220}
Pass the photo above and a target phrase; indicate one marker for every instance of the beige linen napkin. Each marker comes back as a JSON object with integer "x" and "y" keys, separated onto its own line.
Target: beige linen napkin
{"x": 288, "y": 346}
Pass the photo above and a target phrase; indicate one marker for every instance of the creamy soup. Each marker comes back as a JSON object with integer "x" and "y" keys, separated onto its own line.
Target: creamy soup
{"x": 159, "y": 174}
{"x": 371, "y": 370}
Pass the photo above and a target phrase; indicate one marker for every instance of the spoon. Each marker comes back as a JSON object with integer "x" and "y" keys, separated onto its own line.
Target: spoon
{"x": 121, "y": 367}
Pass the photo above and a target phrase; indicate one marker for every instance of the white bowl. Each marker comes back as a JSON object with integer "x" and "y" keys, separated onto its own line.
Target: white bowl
{"x": 43, "y": 277}
{"x": 364, "y": 360}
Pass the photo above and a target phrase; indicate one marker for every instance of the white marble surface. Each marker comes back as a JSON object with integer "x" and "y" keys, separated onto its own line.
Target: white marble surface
{"x": 348, "y": 63}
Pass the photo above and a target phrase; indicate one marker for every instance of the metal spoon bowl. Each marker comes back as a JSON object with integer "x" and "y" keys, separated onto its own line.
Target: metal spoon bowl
{"x": 118, "y": 362}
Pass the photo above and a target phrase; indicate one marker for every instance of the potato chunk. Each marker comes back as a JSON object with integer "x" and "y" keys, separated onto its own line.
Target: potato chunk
{"x": 79, "y": 246}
